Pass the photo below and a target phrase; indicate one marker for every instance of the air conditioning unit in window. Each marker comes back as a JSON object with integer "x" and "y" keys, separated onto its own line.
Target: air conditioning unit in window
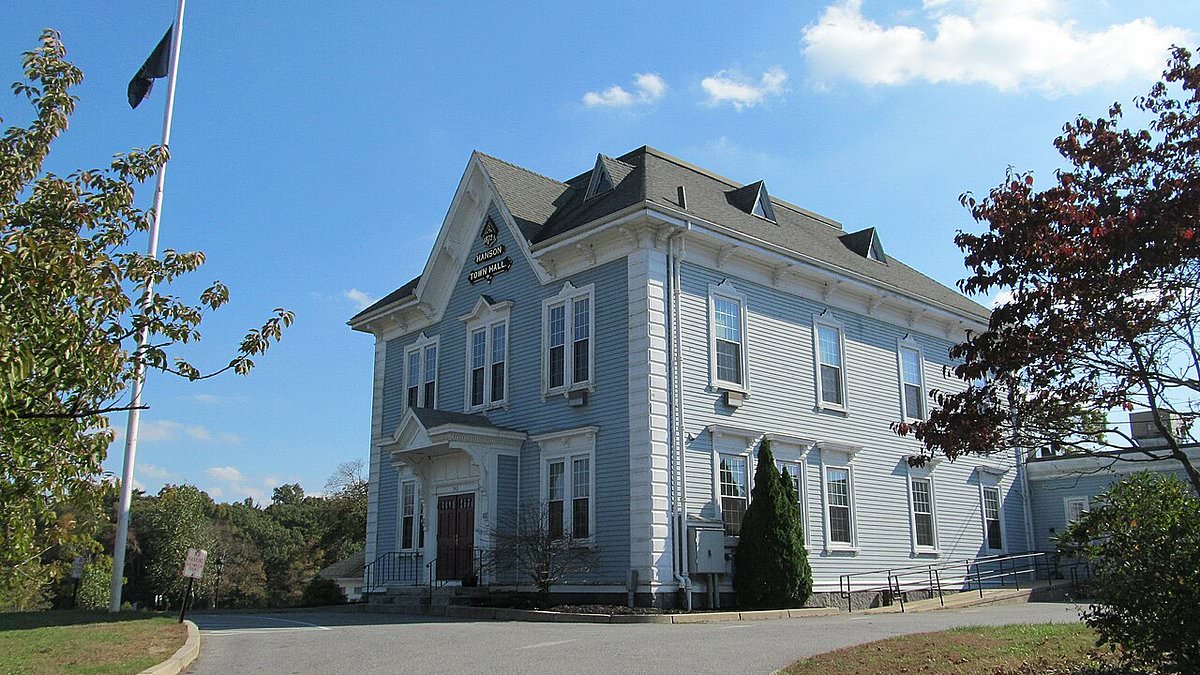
{"x": 577, "y": 398}
{"x": 734, "y": 399}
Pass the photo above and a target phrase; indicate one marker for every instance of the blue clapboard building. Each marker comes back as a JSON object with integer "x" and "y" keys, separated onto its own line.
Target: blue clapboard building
{"x": 608, "y": 351}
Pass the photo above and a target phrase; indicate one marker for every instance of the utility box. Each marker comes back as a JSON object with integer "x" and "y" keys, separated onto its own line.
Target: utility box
{"x": 707, "y": 548}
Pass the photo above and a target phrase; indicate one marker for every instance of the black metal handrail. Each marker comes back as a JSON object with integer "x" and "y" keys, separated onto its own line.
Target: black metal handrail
{"x": 395, "y": 568}
{"x": 930, "y": 576}
{"x": 470, "y": 576}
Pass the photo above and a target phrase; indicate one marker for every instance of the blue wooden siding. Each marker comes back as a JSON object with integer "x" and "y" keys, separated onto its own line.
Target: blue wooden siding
{"x": 526, "y": 410}
{"x": 783, "y": 399}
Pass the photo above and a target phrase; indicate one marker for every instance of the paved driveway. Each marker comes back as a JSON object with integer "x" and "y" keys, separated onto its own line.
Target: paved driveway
{"x": 382, "y": 643}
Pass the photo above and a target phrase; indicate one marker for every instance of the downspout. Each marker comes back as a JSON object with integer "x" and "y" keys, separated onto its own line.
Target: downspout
{"x": 1022, "y": 459}
{"x": 675, "y": 404}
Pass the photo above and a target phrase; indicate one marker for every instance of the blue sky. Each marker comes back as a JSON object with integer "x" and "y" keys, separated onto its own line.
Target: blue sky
{"x": 317, "y": 146}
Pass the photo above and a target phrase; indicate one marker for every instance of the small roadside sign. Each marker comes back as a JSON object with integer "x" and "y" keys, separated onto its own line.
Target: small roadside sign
{"x": 193, "y": 567}
{"x": 77, "y": 568}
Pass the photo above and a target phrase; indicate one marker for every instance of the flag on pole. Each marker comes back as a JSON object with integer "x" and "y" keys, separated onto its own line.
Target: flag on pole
{"x": 158, "y": 65}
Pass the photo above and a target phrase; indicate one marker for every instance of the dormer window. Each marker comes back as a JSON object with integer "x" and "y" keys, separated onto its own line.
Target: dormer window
{"x": 866, "y": 243}
{"x": 601, "y": 181}
{"x": 753, "y": 199}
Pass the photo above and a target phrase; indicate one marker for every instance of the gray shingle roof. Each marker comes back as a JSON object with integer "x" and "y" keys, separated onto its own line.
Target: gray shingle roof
{"x": 545, "y": 208}
{"x": 396, "y": 295}
{"x": 349, "y": 568}
{"x": 431, "y": 418}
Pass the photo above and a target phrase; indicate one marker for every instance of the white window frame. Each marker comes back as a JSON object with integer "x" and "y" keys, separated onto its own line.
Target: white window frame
{"x": 421, "y": 346}
{"x": 567, "y": 298}
{"x": 838, "y": 456}
{"x": 917, "y": 547}
{"x": 910, "y": 345}
{"x": 983, "y": 488}
{"x": 747, "y": 486}
{"x": 487, "y": 317}
{"x": 1067, "y": 501}
{"x": 418, "y": 516}
{"x": 726, "y": 291}
{"x": 827, "y": 321}
{"x": 566, "y": 447}
{"x": 793, "y": 451}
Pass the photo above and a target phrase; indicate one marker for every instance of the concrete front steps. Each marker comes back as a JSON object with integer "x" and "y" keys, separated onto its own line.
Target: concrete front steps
{"x": 423, "y": 600}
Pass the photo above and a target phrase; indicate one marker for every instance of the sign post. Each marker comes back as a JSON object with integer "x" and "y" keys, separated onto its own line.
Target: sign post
{"x": 77, "y": 575}
{"x": 193, "y": 569}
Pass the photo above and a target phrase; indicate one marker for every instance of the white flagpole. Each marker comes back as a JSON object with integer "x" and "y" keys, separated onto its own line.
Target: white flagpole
{"x": 131, "y": 428}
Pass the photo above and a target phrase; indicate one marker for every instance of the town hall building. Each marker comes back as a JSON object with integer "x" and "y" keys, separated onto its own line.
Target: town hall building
{"x": 611, "y": 349}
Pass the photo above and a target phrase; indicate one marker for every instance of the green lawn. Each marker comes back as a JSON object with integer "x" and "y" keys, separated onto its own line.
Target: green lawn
{"x": 1050, "y": 649}
{"x": 86, "y": 641}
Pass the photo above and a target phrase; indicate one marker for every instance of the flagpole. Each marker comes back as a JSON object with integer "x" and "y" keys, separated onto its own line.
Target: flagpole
{"x": 131, "y": 427}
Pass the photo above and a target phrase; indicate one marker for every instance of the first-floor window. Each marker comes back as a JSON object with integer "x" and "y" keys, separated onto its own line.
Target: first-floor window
{"x": 411, "y": 532}
{"x": 792, "y": 469}
{"x": 991, "y": 517}
{"x": 837, "y": 488}
{"x": 569, "y": 497}
{"x": 922, "y": 505}
{"x": 734, "y": 492}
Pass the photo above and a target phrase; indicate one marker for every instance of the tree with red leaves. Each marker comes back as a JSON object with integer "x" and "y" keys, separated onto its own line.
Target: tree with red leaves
{"x": 1103, "y": 267}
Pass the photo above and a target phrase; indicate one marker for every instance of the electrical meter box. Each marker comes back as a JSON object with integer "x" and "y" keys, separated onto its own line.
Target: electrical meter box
{"x": 707, "y": 546}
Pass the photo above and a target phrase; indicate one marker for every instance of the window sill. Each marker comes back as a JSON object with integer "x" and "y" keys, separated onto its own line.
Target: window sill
{"x": 565, "y": 390}
{"x": 924, "y": 552}
{"x": 720, "y": 387}
{"x": 832, "y": 409}
{"x": 844, "y": 548}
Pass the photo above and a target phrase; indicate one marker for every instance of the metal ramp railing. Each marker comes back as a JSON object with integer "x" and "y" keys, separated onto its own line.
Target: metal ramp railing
{"x": 397, "y": 568}
{"x": 996, "y": 571}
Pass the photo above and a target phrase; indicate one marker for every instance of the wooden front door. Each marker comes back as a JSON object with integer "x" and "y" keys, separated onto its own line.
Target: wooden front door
{"x": 456, "y": 537}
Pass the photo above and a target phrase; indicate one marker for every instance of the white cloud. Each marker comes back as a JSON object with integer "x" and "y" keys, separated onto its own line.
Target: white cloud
{"x": 360, "y": 299}
{"x": 151, "y": 471}
{"x": 1007, "y": 44}
{"x": 204, "y": 398}
{"x": 231, "y": 439}
{"x": 648, "y": 88}
{"x": 731, "y": 86}
{"x": 226, "y": 473}
{"x": 170, "y": 430}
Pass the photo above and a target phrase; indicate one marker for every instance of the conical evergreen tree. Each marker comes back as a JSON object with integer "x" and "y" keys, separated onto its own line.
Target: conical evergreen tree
{"x": 771, "y": 565}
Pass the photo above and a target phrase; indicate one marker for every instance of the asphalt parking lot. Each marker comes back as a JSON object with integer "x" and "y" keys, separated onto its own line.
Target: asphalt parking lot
{"x": 342, "y": 642}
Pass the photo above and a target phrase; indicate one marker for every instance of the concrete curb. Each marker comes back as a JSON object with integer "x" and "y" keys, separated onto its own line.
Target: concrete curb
{"x": 182, "y": 658}
{"x": 504, "y": 614}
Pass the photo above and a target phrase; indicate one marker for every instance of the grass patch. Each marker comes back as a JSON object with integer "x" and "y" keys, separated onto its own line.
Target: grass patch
{"x": 1051, "y": 649}
{"x": 91, "y": 642}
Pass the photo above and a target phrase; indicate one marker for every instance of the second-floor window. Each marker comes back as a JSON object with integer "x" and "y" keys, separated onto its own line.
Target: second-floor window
{"x": 911, "y": 380}
{"x": 831, "y": 376}
{"x": 567, "y": 328}
{"x": 727, "y": 337}
{"x": 420, "y": 378}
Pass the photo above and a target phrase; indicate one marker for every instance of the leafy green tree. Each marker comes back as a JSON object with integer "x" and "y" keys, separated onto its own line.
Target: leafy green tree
{"x": 321, "y": 591}
{"x": 71, "y": 303}
{"x": 1143, "y": 539}
{"x": 1102, "y": 268}
{"x": 771, "y": 565}
{"x": 94, "y": 588}
{"x": 345, "y": 512}
{"x": 168, "y": 525}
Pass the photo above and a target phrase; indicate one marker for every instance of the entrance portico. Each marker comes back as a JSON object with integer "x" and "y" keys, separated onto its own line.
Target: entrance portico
{"x": 453, "y": 459}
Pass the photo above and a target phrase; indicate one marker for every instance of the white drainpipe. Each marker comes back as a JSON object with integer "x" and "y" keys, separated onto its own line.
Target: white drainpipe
{"x": 675, "y": 404}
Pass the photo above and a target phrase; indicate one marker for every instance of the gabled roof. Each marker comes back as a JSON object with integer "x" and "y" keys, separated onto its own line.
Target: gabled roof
{"x": 431, "y": 418}
{"x": 545, "y": 209}
{"x": 351, "y": 567}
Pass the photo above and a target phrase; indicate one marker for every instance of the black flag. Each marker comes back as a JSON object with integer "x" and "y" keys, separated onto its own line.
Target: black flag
{"x": 158, "y": 65}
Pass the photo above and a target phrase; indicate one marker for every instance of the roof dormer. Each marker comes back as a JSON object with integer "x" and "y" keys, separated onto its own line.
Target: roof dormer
{"x": 865, "y": 243}
{"x": 753, "y": 199}
{"x": 602, "y": 180}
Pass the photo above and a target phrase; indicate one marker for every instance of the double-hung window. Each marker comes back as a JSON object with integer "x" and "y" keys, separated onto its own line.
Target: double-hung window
{"x": 567, "y": 327}
{"x": 568, "y": 482}
{"x": 831, "y": 374}
{"x": 735, "y": 492}
{"x": 1075, "y": 507}
{"x": 420, "y": 377}
{"x": 924, "y": 532}
{"x": 912, "y": 387}
{"x": 991, "y": 518}
{"x": 727, "y": 331}
{"x": 487, "y": 354}
{"x": 412, "y": 532}
{"x": 839, "y": 501}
